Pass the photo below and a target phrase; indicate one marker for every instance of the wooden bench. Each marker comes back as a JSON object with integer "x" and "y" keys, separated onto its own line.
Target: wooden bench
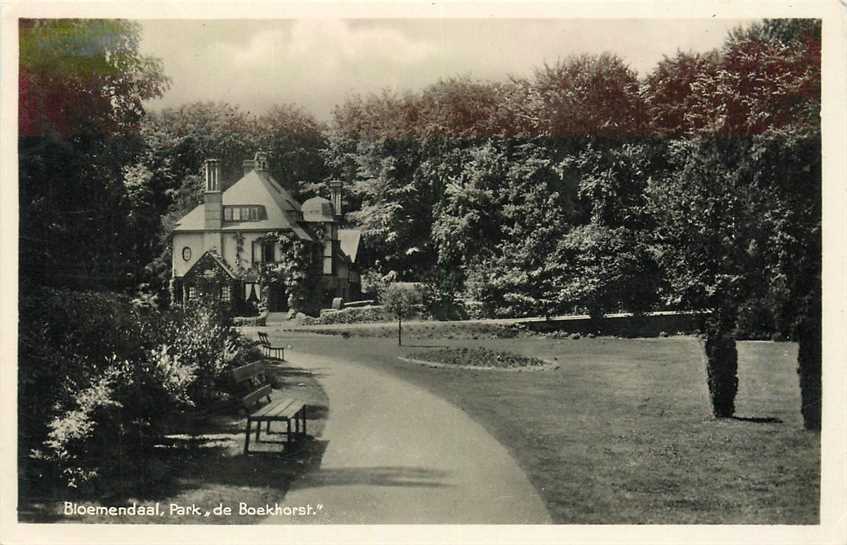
{"x": 252, "y": 378}
{"x": 270, "y": 351}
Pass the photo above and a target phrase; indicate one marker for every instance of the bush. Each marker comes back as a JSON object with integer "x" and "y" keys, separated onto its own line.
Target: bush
{"x": 355, "y": 315}
{"x": 755, "y": 320}
{"x": 201, "y": 334}
{"x": 721, "y": 369}
{"x": 100, "y": 377}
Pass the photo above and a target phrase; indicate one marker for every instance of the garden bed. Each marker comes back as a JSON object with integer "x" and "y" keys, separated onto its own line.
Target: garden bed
{"x": 479, "y": 358}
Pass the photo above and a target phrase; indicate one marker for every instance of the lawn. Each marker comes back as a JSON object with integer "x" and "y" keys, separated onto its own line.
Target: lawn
{"x": 622, "y": 431}
{"x": 201, "y": 463}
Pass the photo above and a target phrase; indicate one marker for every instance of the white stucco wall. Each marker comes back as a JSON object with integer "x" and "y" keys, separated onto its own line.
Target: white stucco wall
{"x": 198, "y": 243}
{"x": 230, "y": 247}
{"x": 191, "y": 240}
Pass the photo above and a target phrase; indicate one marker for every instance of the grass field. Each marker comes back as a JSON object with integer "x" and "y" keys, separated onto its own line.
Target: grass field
{"x": 622, "y": 432}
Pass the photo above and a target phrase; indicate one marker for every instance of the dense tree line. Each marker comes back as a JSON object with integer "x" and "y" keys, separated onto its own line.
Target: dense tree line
{"x": 581, "y": 187}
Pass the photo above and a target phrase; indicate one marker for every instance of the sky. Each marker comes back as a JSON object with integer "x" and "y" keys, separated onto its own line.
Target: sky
{"x": 317, "y": 63}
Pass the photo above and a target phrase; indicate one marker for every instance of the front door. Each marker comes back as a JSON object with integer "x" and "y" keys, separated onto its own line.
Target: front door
{"x": 277, "y": 299}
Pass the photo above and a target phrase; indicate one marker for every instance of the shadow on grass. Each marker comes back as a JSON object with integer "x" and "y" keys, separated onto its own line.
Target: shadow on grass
{"x": 287, "y": 370}
{"x": 191, "y": 469}
{"x": 758, "y": 419}
{"x": 425, "y": 346}
{"x": 199, "y": 460}
{"x": 408, "y": 476}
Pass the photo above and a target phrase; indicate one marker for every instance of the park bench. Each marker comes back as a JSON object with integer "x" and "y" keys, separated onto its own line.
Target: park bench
{"x": 252, "y": 379}
{"x": 270, "y": 351}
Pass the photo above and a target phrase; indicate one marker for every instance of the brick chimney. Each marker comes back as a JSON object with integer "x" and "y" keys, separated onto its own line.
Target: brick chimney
{"x": 261, "y": 161}
{"x": 213, "y": 205}
{"x": 335, "y": 196}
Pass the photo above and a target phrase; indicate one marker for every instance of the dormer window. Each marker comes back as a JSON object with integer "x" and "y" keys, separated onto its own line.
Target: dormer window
{"x": 245, "y": 213}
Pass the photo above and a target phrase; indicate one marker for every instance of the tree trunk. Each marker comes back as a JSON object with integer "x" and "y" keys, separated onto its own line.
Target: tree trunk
{"x": 722, "y": 363}
{"x": 399, "y": 330}
{"x": 809, "y": 363}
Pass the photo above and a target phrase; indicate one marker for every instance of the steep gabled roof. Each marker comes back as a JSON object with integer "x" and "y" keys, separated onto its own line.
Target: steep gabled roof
{"x": 349, "y": 239}
{"x": 254, "y": 188}
{"x": 208, "y": 261}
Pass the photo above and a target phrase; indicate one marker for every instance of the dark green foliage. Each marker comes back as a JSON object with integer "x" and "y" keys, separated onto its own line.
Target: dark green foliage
{"x": 100, "y": 379}
{"x": 82, "y": 84}
{"x": 351, "y": 316}
{"x": 401, "y": 301}
{"x": 441, "y": 296}
{"x": 756, "y": 320}
{"x": 721, "y": 366}
{"x": 809, "y": 359}
{"x": 478, "y": 357}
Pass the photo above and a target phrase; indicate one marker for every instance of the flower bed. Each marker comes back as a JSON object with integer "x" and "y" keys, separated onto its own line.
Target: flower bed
{"x": 479, "y": 357}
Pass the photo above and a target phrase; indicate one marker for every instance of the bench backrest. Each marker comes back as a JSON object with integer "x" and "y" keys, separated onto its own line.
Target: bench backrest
{"x": 263, "y": 338}
{"x": 252, "y": 378}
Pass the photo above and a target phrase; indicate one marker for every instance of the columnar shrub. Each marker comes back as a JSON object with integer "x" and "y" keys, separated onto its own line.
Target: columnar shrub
{"x": 721, "y": 365}
{"x": 809, "y": 358}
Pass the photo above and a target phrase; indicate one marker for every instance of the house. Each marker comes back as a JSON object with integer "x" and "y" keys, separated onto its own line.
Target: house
{"x": 228, "y": 246}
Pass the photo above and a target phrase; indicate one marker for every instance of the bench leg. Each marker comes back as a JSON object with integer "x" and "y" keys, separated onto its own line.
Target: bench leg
{"x": 247, "y": 437}
{"x": 303, "y": 413}
{"x": 288, "y": 437}
{"x": 268, "y": 427}
{"x": 258, "y": 429}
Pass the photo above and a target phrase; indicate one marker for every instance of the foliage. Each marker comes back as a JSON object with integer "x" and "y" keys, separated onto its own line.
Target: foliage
{"x": 479, "y": 357}
{"x": 100, "y": 377}
{"x": 721, "y": 364}
{"x": 350, "y": 316}
{"x": 298, "y": 269}
{"x": 587, "y": 96}
{"x": 607, "y": 269}
{"x": 401, "y": 300}
{"x": 81, "y": 85}
{"x": 374, "y": 284}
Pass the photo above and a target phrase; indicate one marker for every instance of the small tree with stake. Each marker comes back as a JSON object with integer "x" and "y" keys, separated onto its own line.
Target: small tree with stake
{"x": 400, "y": 301}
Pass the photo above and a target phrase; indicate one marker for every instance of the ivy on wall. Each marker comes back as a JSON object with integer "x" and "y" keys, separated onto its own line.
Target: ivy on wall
{"x": 297, "y": 269}
{"x": 239, "y": 252}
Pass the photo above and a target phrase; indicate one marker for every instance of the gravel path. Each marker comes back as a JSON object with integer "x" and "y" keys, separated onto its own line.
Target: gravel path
{"x": 397, "y": 454}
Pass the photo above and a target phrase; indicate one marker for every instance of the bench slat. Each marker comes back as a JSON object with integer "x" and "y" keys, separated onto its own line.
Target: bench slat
{"x": 271, "y": 407}
{"x": 246, "y": 372}
{"x": 287, "y": 411}
{"x": 253, "y": 397}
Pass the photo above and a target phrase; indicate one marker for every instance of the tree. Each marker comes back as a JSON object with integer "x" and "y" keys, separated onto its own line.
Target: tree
{"x": 401, "y": 301}
{"x": 787, "y": 169}
{"x": 587, "y": 96}
{"x": 294, "y": 140}
{"x": 705, "y": 232}
{"x": 669, "y": 92}
{"x": 739, "y": 212}
{"x": 606, "y": 269}
{"x": 82, "y": 84}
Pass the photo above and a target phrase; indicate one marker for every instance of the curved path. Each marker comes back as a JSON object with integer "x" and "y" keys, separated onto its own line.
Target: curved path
{"x": 395, "y": 453}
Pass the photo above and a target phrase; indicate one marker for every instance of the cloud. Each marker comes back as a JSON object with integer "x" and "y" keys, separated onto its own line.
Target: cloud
{"x": 326, "y": 44}
{"x": 317, "y": 63}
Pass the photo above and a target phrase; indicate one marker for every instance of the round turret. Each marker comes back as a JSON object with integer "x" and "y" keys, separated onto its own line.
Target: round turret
{"x": 318, "y": 209}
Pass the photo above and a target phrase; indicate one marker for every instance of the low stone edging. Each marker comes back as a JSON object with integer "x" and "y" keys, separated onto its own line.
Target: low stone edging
{"x": 548, "y": 367}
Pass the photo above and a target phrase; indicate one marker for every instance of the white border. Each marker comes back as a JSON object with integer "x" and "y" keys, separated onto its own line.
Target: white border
{"x": 833, "y": 527}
